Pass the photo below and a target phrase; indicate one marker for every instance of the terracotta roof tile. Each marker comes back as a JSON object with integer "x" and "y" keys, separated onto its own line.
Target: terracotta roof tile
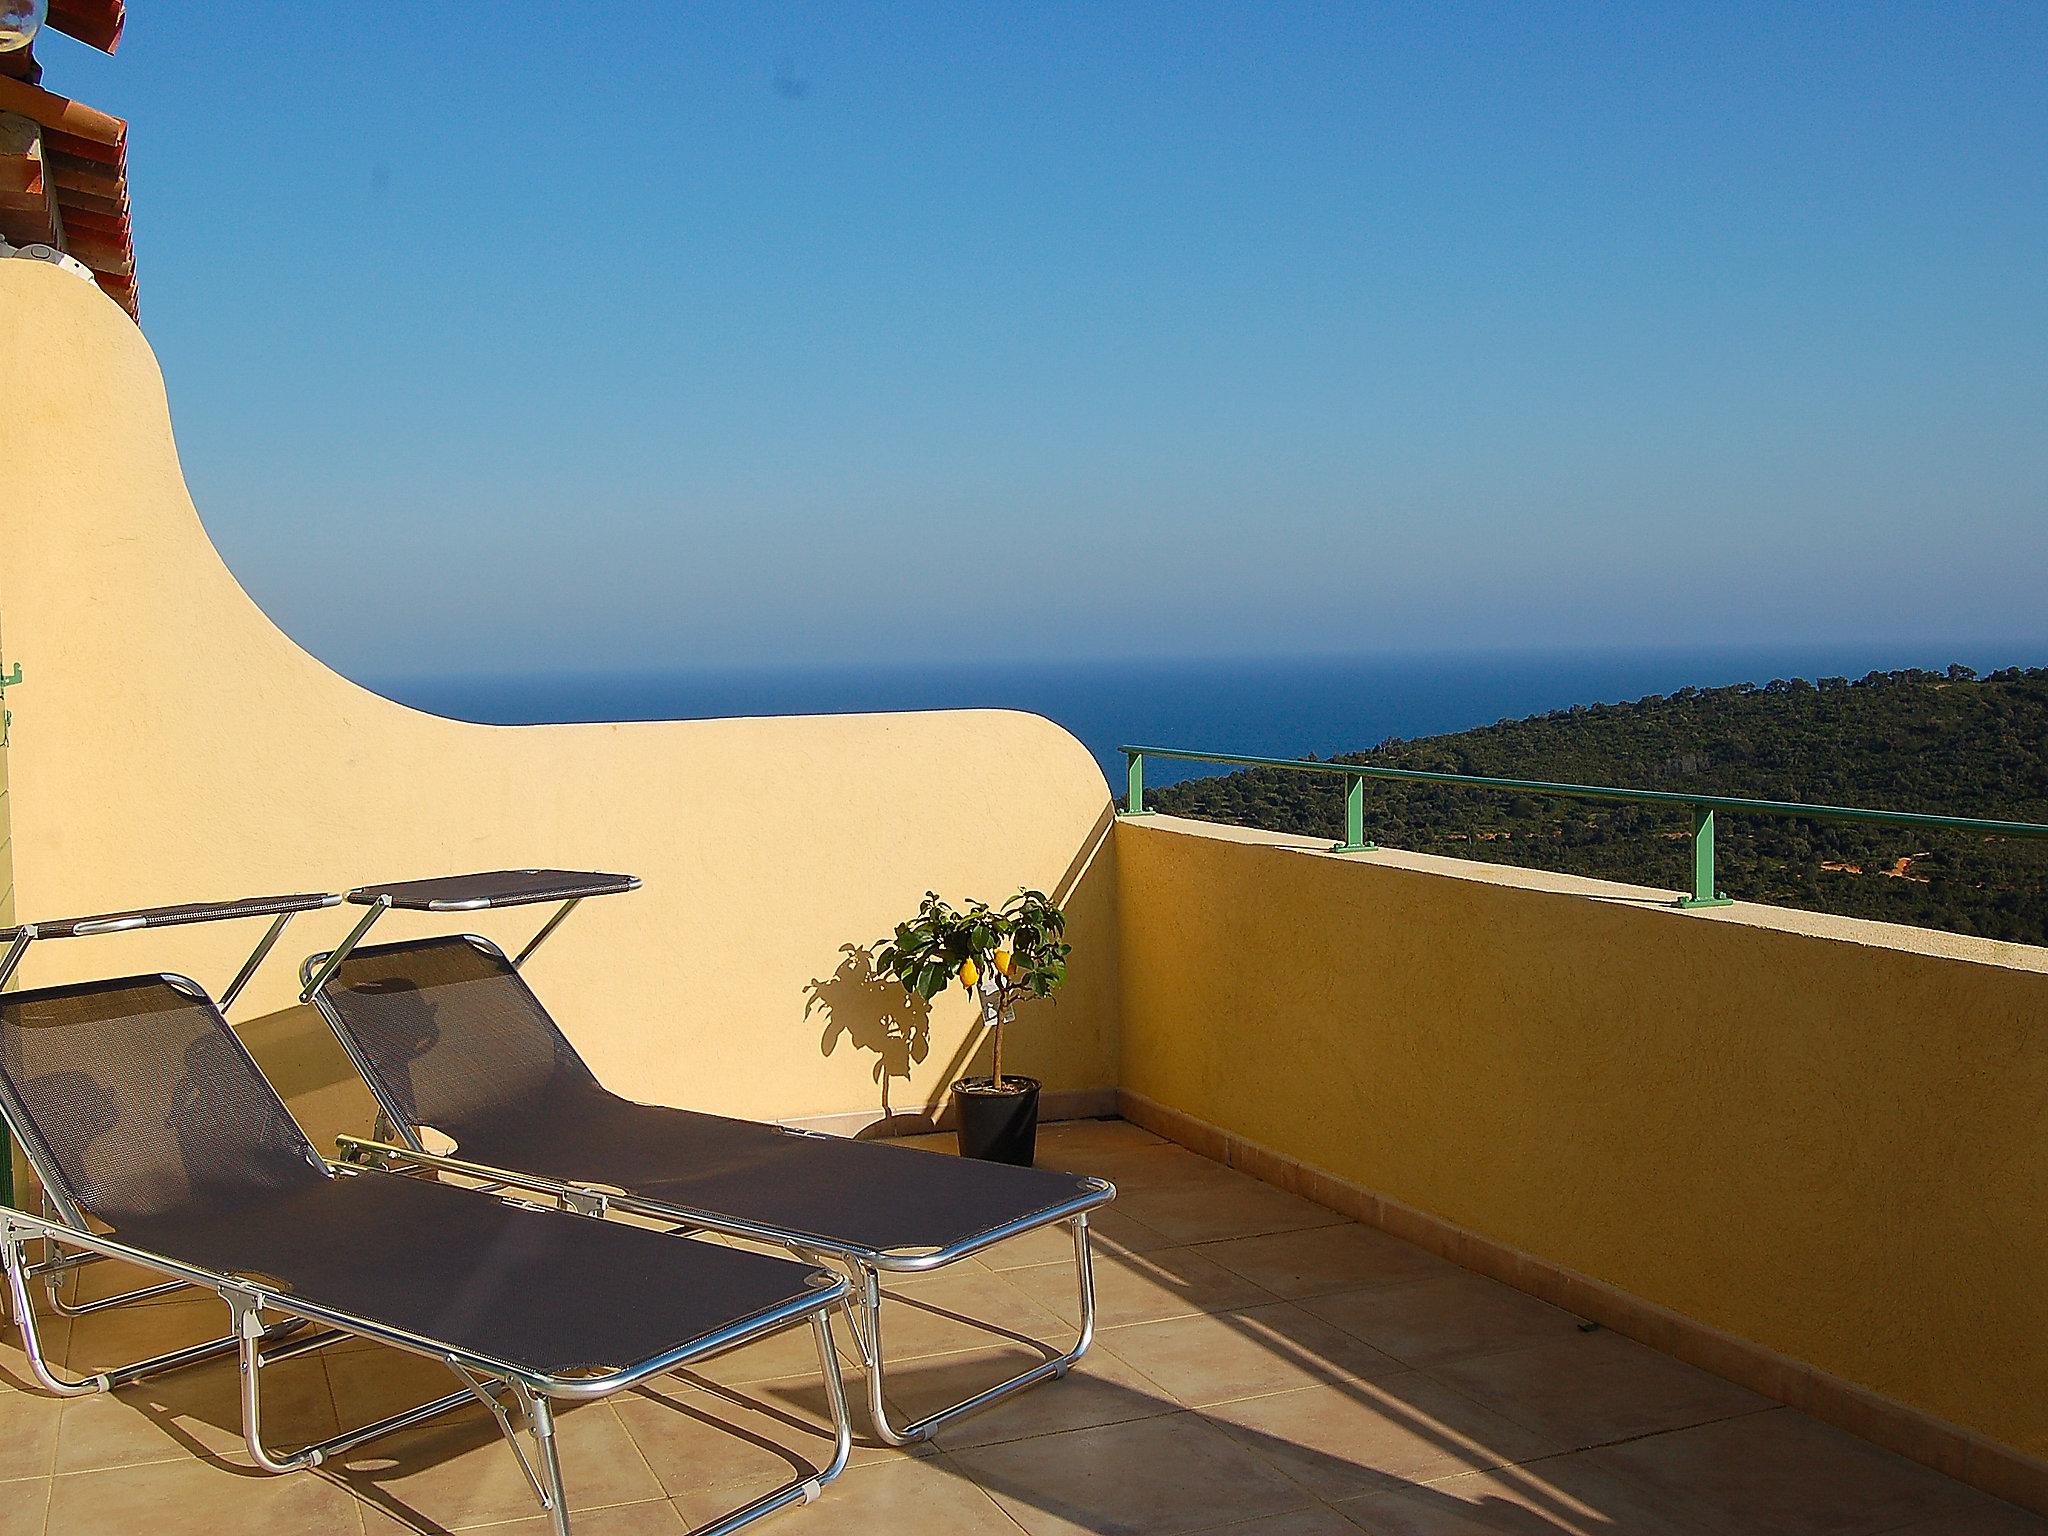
{"x": 78, "y": 164}
{"x": 97, "y": 22}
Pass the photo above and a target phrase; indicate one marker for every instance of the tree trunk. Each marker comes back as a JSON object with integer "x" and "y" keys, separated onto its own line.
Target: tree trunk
{"x": 997, "y": 1066}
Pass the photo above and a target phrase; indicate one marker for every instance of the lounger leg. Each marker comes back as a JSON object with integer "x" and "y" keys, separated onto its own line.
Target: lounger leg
{"x": 25, "y": 1319}
{"x": 14, "y": 1251}
{"x": 803, "y": 1490}
{"x": 540, "y": 1415}
{"x": 251, "y": 1333}
{"x": 867, "y": 1333}
{"x": 1084, "y": 1275}
{"x": 835, "y": 1399}
{"x": 249, "y": 1329}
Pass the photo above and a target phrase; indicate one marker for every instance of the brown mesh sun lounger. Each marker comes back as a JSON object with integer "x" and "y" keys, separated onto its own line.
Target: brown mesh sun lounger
{"x": 158, "y": 1141}
{"x": 455, "y": 1045}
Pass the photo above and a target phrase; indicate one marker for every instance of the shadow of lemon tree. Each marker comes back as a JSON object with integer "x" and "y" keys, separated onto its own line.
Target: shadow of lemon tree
{"x": 871, "y": 1012}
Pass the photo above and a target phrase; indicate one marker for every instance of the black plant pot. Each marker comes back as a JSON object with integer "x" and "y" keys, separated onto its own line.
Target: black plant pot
{"x": 998, "y": 1127}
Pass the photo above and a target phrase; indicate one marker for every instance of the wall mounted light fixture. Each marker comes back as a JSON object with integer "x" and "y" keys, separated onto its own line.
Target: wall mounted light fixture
{"x": 20, "y": 20}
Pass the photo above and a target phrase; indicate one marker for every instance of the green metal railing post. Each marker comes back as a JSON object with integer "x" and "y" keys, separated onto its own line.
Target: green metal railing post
{"x": 1134, "y": 795}
{"x": 1704, "y": 892}
{"x": 1354, "y": 818}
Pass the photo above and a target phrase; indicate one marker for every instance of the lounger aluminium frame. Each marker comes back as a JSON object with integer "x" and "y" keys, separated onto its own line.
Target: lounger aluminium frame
{"x": 158, "y": 1142}
{"x": 730, "y": 1176}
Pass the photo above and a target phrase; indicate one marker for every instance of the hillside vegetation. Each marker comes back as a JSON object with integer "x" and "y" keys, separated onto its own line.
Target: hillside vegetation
{"x": 1952, "y": 743}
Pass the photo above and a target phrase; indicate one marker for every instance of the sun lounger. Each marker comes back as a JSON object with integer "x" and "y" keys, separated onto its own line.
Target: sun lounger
{"x": 158, "y": 1141}
{"x": 473, "y": 1075}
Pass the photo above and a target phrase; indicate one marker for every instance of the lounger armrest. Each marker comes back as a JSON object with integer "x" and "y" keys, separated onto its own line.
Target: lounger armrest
{"x": 365, "y": 1151}
{"x": 189, "y": 912}
{"x": 493, "y": 888}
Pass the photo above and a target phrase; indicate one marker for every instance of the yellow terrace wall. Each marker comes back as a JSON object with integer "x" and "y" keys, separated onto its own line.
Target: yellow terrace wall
{"x": 171, "y": 744}
{"x": 1825, "y": 1137}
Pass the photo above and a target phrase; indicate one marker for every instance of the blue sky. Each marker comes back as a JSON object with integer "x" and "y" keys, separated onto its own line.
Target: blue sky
{"x": 509, "y": 336}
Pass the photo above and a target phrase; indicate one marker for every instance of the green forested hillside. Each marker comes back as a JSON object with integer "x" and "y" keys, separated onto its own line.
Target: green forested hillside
{"x": 1953, "y": 743}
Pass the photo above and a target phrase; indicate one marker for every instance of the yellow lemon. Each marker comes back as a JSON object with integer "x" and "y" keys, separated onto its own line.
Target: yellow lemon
{"x": 1002, "y": 959}
{"x": 970, "y": 973}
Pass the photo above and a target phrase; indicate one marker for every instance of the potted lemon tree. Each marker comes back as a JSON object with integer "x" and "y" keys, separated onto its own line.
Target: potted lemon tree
{"x": 998, "y": 955}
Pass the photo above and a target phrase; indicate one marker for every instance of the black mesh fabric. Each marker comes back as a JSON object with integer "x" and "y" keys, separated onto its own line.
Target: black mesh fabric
{"x": 494, "y": 888}
{"x": 145, "y": 1103}
{"x": 538, "y": 1290}
{"x": 191, "y": 912}
{"x": 456, "y": 1038}
{"x": 459, "y": 1042}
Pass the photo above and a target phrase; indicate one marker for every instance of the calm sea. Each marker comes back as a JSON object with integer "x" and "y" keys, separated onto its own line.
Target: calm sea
{"x": 1273, "y": 706}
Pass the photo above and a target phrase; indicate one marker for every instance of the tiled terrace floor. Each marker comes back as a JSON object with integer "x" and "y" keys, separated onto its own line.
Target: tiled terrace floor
{"x": 1264, "y": 1368}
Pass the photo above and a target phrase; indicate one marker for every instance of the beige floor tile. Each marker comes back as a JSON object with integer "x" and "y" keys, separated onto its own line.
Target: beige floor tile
{"x": 648, "y": 1517}
{"x": 1109, "y": 1232}
{"x": 110, "y": 1277}
{"x": 1985, "y": 1517}
{"x": 1342, "y": 1441}
{"x": 934, "y": 1141}
{"x": 1322, "y": 1260}
{"x": 1316, "y": 1520}
{"x": 1564, "y": 1496}
{"x": 1066, "y": 1136}
{"x": 189, "y": 1497}
{"x": 1592, "y": 1388}
{"x": 803, "y": 1398}
{"x": 1100, "y": 1389}
{"x": 1219, "y": 1204}
{"x": 459, "y": 1471}
{"x": 369, "y": 1384}
{"x": 1154, "y": 1477}
{"x": 1427, "y": 1322}
{"x": 1218, "y": 1357}
{"x": 1782, "y": 1474}
{"x": 765, "y": 1433}
{"x": 28, "y": 1434}
{"x": 958, "y": 1308}
{"x": 1133, "y": 1169}
{"x": 926, "y": 1496}
{"x": 792, "y": 1352}
{"x": 122, "y": 1334}
{"x": 24, "y": 1505}
{"x": 1141, "y": 1287}
{"x": 196, "y": 1410}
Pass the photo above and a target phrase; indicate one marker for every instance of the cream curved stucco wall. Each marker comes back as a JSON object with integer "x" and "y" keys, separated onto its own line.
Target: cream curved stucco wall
{"x": 1818, "y": 1135}
{"x": 171, "y": 744}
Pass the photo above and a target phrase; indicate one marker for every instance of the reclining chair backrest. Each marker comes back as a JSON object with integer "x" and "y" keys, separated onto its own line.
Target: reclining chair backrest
{"x": 137, "y": 1102}
{"x": 451, "y": 1037}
